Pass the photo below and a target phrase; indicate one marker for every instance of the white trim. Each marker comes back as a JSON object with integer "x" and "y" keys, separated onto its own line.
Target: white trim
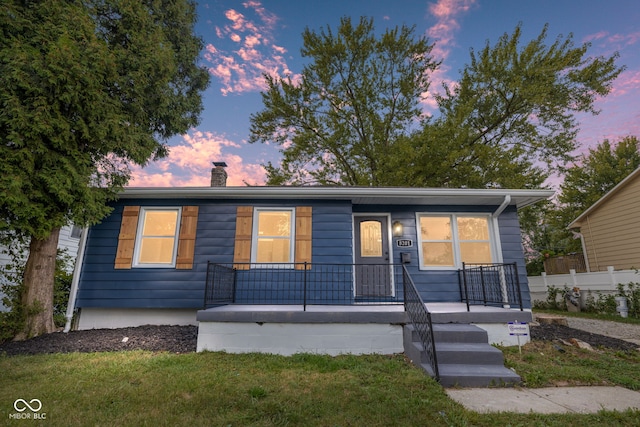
{"x": 292, "y": 236}
{"x": 357, "y": 195}
{"x": 138, "y": 242}
{"x": 496, "y": 229}
{"x": 73, "y": 292}
{"x": 494, "y": 236}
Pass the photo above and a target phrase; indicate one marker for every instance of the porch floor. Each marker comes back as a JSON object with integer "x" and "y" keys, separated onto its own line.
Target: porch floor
{"x": 441, "y": 312}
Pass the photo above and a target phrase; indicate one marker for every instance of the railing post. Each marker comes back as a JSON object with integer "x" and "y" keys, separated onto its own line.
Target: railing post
{"x": 484, "y": 291}
{"x": 515, "y": 273}
{"x": 304, "y": 308}
{"x": 466, "y": 287}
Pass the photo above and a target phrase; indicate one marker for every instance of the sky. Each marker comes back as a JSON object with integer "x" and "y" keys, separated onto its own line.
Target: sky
{"x": 245, "y": 39}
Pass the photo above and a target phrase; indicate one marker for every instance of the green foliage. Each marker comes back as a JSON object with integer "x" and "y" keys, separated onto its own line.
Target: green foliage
{"x": 12, "y": 286}
{"x": 514, "y": 108}
{"x": 601, "y": 303}
{"x": 87, "y": 88}
{"x": 553, "y": 302}
{"x": 344, "y": 119}
{"x": 509, "y": 122}
{"x": 545, "y": 225}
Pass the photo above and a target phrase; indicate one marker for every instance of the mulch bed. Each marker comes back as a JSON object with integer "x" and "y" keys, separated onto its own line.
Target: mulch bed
{"x": 553, "y": 332}
{"x": 175, "y": 339}
{"x": 182, "y": 339}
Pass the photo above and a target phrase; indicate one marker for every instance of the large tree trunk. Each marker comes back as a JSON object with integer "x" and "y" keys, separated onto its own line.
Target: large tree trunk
{"x": 39, "y": 276}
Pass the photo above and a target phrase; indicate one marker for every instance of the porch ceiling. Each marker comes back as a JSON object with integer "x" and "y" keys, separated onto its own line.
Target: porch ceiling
{"x": 357, "y": 195}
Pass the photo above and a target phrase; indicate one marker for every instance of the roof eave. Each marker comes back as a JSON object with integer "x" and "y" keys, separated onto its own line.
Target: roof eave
{"x": 357, "y": 195}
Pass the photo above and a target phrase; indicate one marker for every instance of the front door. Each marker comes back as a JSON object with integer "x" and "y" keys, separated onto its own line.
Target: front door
{"x": 373, "y": 273}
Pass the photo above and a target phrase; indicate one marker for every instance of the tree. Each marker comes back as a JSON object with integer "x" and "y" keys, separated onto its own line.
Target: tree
{"x": 340, "y": 123}
{"x": 508, "y": 122}
{"x": 595, "y": 173}
{"x": 87, "y": 88}
{"x": 590, "y": 177}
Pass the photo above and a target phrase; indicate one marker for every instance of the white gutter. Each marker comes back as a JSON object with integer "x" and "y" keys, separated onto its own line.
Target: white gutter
{"x": 494, "y": 217}
{"x": 358, "y": 195}
{"x": 75, "y": 280}
{"x": 584, "y": 250}
{"x": 496, "y": 228}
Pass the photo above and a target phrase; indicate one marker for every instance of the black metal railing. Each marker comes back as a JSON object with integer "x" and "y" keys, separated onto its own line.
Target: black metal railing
{"x": 420, "y": 318}
{"x": 491, "y": 284}
{"x": 303, "y": 284}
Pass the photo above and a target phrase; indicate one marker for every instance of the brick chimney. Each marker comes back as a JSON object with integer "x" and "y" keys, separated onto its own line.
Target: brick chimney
{"x": 219, "y": 175}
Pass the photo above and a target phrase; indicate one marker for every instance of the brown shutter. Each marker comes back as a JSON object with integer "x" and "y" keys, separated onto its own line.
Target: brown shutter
{"x": 127, "y": 237}
{"x": 187, "y": 237}
{"x": 244, "y": 228}
{"x": 303, "y": 236}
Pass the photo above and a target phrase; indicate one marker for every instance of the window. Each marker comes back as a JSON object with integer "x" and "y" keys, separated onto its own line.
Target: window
{"x": 157, "y": 239}
{"x": 76, "y": 232}
{"x": 449, "y": 240}
{"x": 273, "y": 235}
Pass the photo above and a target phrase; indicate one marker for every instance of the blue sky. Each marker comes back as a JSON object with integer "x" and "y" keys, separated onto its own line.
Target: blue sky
{"x": 244, "y": 39}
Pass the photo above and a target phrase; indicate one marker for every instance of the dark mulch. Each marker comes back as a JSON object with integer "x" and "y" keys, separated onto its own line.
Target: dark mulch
{"x": 174, "y": 339}
{"x": 182, "y": 339}
{"x": 545, "y": 332}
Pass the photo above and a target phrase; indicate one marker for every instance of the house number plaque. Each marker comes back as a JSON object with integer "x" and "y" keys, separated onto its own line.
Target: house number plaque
{"x": 405, "y": 243}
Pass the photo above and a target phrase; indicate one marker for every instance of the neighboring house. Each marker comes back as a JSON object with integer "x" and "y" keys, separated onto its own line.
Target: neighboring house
{"x": 68, "y": 242}
{"x": 320, "y": 269}
{"x": 609, "y": 229}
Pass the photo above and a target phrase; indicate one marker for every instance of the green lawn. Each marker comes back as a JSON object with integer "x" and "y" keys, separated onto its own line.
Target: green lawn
{"x": 218, "y": 389}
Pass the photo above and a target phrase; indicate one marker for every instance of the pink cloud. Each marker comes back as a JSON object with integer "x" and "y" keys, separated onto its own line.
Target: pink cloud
{"x": 241, "y": 69}
{"x": 447, "y": 13}
{"x": 628, "y": 81}
{"x": 189, "y": 164}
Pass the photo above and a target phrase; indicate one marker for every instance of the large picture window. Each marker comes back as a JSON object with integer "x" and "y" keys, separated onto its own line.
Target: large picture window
{"x": 446, "y": 241}
{"x": 273, "y": 235}
{"x": 157, "y": 240}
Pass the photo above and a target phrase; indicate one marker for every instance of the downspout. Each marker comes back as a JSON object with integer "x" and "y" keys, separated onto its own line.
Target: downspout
{"x": 496, "y": 230}
{"x": 75, "y": 280}
{"x": 584, "y": 250}
{"x": 494, "y": 217}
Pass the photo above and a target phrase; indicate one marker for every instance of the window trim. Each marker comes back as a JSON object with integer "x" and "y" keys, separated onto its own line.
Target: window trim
{"x": 292, "y": 237}
{"x": 457, "y": 262}
{"x": 139, "y": 237}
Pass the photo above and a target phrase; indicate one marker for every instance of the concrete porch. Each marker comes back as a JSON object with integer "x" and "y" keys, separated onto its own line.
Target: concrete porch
{"x": 337, "y": 329}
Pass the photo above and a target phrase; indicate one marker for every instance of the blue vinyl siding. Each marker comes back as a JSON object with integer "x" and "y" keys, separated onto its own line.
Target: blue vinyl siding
{"x": 332, "y": 232}
{"x": 103, "y": 286}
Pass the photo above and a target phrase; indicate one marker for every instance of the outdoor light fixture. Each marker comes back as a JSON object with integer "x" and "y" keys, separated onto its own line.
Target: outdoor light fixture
{"x": 397, "y": 229}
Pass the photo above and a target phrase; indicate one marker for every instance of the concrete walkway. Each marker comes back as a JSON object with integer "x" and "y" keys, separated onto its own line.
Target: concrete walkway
{"x": 550, "y": 400}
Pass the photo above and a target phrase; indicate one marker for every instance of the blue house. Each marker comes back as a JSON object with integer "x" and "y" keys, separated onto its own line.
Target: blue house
{"x": 320, "y": 269}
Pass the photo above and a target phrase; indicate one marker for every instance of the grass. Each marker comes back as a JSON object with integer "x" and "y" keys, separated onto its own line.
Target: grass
{"x": 218, "y": 389}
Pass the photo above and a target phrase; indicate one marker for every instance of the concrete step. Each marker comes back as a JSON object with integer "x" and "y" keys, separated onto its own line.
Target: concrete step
{"x": 463, "y": 375}
{"x": 469, "y": 353}
{"x": 464, "y": 355}
{"x": 459, "y": 333}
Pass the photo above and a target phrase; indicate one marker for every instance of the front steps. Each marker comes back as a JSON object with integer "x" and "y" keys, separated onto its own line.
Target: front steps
{"x": 465, "y": 357}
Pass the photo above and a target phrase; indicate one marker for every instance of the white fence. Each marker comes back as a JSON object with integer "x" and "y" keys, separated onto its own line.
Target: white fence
{"x": 605, "y": 282}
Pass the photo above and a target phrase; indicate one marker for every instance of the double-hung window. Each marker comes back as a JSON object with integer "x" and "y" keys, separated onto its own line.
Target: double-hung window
{"x": 273, "y": 235}
{"x": 448, "y": 240}
{"x": 157, "y": 237}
